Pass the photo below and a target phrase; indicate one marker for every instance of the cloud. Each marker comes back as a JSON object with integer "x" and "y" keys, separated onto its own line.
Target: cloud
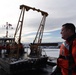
{"x": 60, "y": 12}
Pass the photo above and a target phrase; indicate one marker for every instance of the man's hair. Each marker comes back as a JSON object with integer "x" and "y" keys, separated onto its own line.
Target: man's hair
{"x": 70, "y": 26}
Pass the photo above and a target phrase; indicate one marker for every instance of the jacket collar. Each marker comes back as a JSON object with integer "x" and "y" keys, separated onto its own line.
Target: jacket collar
{"x": 71, "y": 38}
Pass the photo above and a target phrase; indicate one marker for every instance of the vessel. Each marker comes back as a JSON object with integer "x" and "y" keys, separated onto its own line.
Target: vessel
{"x": 14, "y": 59}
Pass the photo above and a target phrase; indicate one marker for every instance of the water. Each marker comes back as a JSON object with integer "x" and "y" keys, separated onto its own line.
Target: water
{"x": 48, "y": 52}
{"x": 52, "y": 52}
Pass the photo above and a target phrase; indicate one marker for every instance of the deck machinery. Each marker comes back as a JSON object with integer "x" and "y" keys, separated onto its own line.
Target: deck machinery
{"x": 14, "y": 62}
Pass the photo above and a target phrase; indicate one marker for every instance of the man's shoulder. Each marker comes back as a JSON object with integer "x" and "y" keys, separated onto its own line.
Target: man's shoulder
{"x": 74, "y": 41}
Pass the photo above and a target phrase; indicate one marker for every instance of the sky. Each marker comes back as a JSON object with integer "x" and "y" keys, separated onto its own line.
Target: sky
{"x": 60, "y": 12}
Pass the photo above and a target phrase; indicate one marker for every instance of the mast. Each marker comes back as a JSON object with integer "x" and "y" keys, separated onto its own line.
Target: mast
{"x": 7, "y": 26}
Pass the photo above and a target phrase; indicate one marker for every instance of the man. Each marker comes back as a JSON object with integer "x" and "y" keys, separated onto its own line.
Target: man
{"x": 67, "y": 56}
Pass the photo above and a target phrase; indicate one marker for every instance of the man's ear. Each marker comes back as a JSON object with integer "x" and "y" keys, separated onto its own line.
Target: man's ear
{"x": 69, "y": 30}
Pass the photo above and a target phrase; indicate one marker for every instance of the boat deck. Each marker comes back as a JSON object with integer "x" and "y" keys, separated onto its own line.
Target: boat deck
{"x": 45, "y": 71}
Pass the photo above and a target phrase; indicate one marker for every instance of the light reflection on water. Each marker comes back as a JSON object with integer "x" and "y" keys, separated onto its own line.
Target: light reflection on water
{"x": 48, "y": 52}
{"x": 52, "y": 52}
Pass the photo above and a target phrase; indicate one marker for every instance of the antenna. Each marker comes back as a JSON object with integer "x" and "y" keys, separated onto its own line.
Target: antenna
{"x": 7, "y": 26}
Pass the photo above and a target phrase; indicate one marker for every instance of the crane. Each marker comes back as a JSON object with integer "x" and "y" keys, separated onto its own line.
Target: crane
{"x": 38, "y": 38}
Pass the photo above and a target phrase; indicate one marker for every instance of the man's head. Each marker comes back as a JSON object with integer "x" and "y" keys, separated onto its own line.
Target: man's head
{"x": 68, "y": 29}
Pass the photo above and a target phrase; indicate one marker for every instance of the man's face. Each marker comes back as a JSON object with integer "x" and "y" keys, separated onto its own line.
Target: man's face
{"x": 64, "y": 33}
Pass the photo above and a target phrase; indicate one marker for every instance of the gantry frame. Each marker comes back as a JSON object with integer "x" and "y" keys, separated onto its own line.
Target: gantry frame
{"x": 39, "y": 35}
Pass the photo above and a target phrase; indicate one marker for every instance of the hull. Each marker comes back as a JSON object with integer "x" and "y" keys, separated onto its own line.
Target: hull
{"x": 22, "y": 64}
